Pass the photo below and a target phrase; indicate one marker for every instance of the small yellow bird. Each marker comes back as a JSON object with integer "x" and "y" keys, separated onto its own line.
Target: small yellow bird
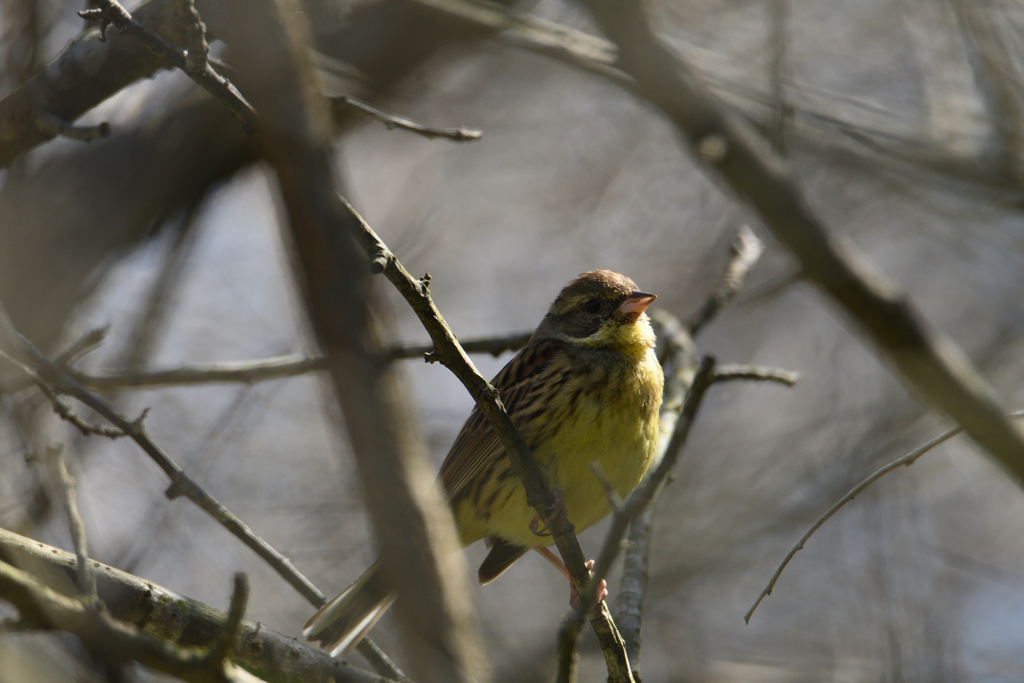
{"x": 587, "y": 388}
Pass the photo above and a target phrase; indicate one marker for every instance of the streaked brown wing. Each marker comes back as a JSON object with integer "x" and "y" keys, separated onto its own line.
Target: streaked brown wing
{"x": 477, "y": 444}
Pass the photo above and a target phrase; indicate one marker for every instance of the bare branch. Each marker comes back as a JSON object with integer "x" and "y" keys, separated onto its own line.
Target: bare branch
{"x": 81, "y": 346}
{"x": 392, "y": 121}
{"x": 229, "y": 634}
{"x": 266, "y": 369}
{"x": 114, "y": 639}
{"x": 905, "y": 461}
{"x": 49, "y": 374}
{"x": 62, "y": 479}
{"x": 746, "y": 251}
{"x": 929, "y": 363}
{"x": 197, "y": 67}
{"x": 153, "y": 609}
{"x": 755, "y": 373}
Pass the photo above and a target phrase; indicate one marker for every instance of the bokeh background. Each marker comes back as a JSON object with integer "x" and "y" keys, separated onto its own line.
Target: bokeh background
{"x": 903, "y": 123}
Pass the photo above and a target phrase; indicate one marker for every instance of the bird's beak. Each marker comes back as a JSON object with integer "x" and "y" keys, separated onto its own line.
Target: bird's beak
{"x": 636, "y": 302}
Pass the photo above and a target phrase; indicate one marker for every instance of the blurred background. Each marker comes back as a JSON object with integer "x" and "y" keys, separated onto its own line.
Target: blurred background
{"x": 902, "y": 119}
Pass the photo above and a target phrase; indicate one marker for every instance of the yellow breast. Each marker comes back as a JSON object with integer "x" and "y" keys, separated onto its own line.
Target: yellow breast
{"x": 606, "y": 414}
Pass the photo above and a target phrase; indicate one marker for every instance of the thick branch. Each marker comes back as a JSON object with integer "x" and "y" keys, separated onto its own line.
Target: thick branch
{"x": 928, "y": 362}
{"x": 116, "y": 640}
{"x": 414, "y": 530}
{"x": 181, "y": 621}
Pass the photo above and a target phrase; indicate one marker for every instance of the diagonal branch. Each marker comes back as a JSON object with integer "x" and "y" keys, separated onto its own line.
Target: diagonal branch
{"x": 179, "y": 620}
{"x": 392, "y": 121}
{"x": 928, "y": 362}
{"x": 448, "y": 351}
{"x": 905, "y": 461}
{"x": 193, "y": 63}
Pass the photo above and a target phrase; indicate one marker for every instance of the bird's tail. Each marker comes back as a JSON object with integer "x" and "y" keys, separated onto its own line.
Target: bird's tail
{"x": 340, "y": 624}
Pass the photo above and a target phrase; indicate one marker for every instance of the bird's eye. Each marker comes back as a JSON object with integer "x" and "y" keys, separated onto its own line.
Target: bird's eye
{"x": 592, "y": 306}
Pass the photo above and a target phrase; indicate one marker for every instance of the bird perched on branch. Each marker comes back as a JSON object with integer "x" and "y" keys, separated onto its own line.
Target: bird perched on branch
{"x": 586, "y": 389}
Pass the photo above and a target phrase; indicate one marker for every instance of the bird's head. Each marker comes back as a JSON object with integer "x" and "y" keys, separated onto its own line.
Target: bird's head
{"x": 601, "y": 309}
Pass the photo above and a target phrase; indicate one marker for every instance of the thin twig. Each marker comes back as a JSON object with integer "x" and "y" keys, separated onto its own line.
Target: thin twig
{"x": 755, "y": 373}
{"x": 621, "y": 518}
{"x": 81, "y": 346}
{"x": 176, "y": 57}
{"x": 746, "y": 250}
{"x": 59, "y": 475}
{"x": 905, "y": 461}
{"x": 393, "y": 121}
{"x": 236, "y": 611}
{"x": 266, "y": 369}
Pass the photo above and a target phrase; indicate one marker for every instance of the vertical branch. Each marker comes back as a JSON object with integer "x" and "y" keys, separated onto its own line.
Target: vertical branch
{"x": 414, "y": 529}
{"x": 62, "y": 480}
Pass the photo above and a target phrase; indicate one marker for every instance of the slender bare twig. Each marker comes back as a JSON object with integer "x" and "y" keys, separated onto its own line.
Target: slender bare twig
{"x": 64, "y": 411}
{"x": 232, "y": 626}
{"x": 81, "y": 346}
{"x": 52, "y": 125}
{"x": 746, "y": 251}
{"x": 62, "y": 479}
{"x": 905, "y": 461}
{"x": 198, "y": 68}
{"x": 265, "y": 369}
{"x": 150, "y": 607}
{"x": 755, "y": 373}
{"x": 926, "y": 360}
{"x": 621, "y": 518}
{"x": 393, "y": 121}
{"x": 494, "y": 345}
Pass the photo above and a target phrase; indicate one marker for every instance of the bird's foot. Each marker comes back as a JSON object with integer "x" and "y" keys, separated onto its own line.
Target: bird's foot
{"x": 574, "y": 599}
{"x": 602, "y": 591}
{"x": 555, "y": 511}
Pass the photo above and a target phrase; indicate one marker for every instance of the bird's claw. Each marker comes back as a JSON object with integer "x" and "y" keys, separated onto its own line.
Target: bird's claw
{"x": 555, "y": 511}
{"x": 602, "y": 591}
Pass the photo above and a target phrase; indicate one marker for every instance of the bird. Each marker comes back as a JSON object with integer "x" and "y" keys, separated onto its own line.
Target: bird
{"x": 585, "y": 389}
